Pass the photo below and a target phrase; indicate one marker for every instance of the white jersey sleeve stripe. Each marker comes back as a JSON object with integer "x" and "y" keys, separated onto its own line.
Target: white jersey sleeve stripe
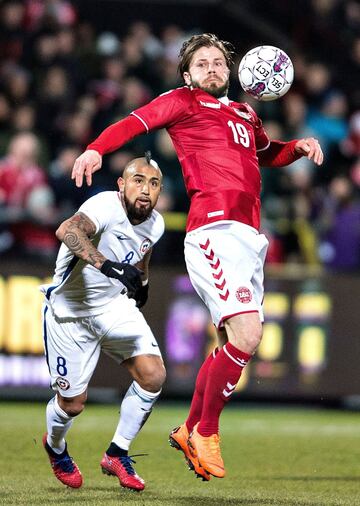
{"x": 263, "y": 149}
{"x": 140, "y": 119}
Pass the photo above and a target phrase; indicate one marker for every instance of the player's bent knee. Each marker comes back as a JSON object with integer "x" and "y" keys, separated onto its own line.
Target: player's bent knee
{"x": 251, "y": 342}
{"x": 72, "y": 406}
{"x": 247, "y": 342}
{"x": 74, "y": 409}
{"x": 152, "y": 379}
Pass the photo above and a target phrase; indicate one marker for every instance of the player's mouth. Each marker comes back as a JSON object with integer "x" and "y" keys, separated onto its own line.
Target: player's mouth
{"x": 143, "y": 201}
{"x": 213, "y": 80}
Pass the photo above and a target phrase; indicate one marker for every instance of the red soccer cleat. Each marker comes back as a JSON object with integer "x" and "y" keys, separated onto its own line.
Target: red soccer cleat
{"x": 63, "y": 466}
{"x": 178, "y": 439}
{"x": 123, "y": 469}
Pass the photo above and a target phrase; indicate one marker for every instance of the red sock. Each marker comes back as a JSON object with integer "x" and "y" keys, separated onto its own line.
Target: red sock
{"x": 223, "y": 375}
{"x": 198, "y": 395}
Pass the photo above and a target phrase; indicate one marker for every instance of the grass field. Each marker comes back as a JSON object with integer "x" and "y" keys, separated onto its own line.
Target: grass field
{"x": 281, "y": 457}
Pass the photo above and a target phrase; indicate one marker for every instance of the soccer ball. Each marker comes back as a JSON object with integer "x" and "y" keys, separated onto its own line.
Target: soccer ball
{"x": 266, "y": 73}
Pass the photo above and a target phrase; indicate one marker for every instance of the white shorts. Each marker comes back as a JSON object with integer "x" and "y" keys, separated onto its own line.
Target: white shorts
{"x": 225, "y": 263}
{"x": 72, "y": 346}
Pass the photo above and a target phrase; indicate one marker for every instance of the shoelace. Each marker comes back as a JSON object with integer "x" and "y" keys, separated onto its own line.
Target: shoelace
{"x": 214, "y": 445}
{"x": 65, "y": 463}
{"x": 127, "y": 461}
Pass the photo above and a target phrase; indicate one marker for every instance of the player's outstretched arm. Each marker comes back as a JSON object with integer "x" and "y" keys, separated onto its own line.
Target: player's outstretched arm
{"x": 112, "y": 138}
{"x": 310, "y": 148}
{"x": 280, "y": 154}
{"x": 85, "y": 165}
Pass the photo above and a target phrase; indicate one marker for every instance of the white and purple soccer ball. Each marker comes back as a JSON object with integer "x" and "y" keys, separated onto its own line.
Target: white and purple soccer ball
{"x": 266, "y": 73}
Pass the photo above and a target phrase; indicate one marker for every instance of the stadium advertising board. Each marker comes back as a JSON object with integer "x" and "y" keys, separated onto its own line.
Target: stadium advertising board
{"x": 309, "y": 349}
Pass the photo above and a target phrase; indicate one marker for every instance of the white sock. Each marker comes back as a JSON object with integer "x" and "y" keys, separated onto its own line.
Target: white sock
{"x": 135, "y": 410}
{"x": 58, "y": 423}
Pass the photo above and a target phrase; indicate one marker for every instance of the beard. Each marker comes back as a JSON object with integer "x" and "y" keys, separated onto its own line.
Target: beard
{"x": 137, "y": 214}
{"x": 213, "y": 88}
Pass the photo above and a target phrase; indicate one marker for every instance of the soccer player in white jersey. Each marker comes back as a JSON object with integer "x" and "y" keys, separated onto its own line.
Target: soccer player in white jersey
{"x": 221, "y": 145}
{"x": 100, "y": 281}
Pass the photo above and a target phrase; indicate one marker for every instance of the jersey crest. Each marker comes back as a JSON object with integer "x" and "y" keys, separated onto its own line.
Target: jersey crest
{"x": 145, "y": 246}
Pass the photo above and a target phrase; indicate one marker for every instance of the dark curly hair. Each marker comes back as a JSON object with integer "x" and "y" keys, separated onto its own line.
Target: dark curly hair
{"x": 204, "y": 40}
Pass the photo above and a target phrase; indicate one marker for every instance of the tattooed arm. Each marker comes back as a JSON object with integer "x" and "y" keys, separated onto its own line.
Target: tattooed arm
{"x": 76, "y": 233}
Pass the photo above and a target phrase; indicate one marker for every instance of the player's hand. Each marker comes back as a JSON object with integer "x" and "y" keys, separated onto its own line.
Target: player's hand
{"x": 128, "y": 274}
{"x": 141, "y": 296}
{"x": 85, "y": 165}
{"x": 311, "y": 148}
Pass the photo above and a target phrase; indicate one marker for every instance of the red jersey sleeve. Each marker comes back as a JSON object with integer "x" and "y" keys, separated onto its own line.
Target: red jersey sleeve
{"x": 116, "y": 135}
{"x": 164, "y": 110}
{"x": 279, "y": 154}
{"x": 159, "y": 113}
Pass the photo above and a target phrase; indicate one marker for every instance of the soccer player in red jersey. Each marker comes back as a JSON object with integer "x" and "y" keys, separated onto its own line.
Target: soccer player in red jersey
{"x": 220, "y": 145}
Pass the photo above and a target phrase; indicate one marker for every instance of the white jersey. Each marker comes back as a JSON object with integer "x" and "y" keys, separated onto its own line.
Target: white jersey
{"x": 79, "y": 289}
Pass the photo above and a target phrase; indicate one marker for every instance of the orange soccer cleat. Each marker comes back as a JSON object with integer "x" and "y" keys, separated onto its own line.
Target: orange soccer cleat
{"x": 178, "y": 439}
{"x": 63, "y": 466}
{"x": 207, "y": 451}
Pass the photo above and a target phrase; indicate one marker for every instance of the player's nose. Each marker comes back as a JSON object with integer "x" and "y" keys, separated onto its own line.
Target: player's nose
{"x": 211, "y": 67}
{"x": 145, "y": 188}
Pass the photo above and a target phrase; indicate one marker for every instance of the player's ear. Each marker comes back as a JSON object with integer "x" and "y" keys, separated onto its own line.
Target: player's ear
{"x": 121, "y": 183}
{"x": 187, "y": 78}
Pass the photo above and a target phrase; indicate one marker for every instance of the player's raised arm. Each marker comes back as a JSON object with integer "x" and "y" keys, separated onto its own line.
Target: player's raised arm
{"x": 112, "y": 138}
{"x": 160, "y": 112}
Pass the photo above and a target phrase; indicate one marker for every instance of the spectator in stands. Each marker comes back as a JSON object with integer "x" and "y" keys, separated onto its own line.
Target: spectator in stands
{"x": 67, "y": 199}
{"x": 12, "y": 34}
{"x": 26, "y": 199}
{"x": 340, "y": 222}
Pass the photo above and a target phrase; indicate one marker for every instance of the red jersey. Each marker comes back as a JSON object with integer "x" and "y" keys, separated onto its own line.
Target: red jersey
{"x": 16, "y": 187}
{"x": 17, "y": 184}
{"x": 216, "y": 145}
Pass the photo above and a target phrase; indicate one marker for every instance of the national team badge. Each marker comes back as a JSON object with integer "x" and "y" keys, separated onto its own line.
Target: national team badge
{"x": 145, "y": 246}
{"x": 62, "y": 383}
{"x": 243, "y": 295}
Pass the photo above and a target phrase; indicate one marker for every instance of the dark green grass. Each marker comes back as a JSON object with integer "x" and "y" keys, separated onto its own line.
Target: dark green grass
{"x": 281, "y": 457}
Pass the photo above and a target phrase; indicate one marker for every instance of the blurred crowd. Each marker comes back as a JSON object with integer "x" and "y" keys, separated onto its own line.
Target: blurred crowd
{"x": 62, "y": 81}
